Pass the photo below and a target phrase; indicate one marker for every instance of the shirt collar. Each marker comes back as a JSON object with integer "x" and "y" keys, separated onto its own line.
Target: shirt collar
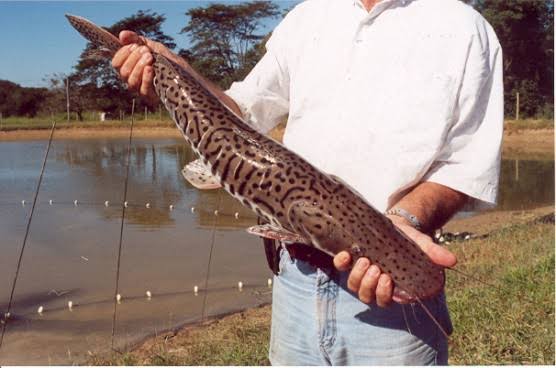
{"x": 379, "y": 7}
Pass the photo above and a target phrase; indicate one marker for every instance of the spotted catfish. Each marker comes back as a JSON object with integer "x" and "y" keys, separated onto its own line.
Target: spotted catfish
{"x": 298, "y": 200}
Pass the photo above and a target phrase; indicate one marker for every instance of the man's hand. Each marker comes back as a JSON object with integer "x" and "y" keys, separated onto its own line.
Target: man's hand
{"x": 371, "y": 284}
{"x": 133, "y": 61}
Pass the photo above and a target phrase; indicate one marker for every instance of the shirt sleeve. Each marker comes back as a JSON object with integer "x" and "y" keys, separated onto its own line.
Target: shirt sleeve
{"x": 469, "y": 161}
{"x": 263, "y": 96}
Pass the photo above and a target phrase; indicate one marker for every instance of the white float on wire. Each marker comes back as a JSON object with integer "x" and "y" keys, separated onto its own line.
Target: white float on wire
{"x": 75, "y": 202}
{"x": 119, "y": 298}
{"x": 50, "y": 202}
{"x": 125, "y": 204}
{"x": 70, "y": 306}
{"x": 215, "y": 212}
{"x": 23, "y": 202}
{"x": 236, "y": 215}
{"x": 148, "y": 205}
{"x": 106, "y": 203}
{"x": 196, "y": 290}
{"x": 149, "y": 295}
{"x": 40, "y": 310}
{"x": 171, "y": 207}
{"x": 192, "y": 209}
{"x": 240, "y": 286}
{"x": 269, "y": 282}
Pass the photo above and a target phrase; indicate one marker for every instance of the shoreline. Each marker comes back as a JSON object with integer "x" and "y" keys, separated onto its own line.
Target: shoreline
{"x": 182, "y": 342}
{"x": 522, "y": 143}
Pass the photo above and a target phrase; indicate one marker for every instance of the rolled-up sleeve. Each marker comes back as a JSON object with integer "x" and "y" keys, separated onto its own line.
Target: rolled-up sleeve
{"x": 263, "y": 96}
{"x": 469, "y": 161}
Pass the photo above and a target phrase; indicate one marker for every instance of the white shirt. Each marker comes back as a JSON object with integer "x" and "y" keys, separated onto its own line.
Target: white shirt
{"x": 411, "y": 91}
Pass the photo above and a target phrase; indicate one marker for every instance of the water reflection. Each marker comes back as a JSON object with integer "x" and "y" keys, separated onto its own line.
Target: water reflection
{"x": 526, "y": 184}
{"x": 73, "y": 248}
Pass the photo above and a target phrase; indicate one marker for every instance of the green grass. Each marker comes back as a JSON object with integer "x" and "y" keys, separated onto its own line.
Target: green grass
{"x": 240, "y": 339}
{"x": 509, "y": 322}
{"x": 524, "y": 124}
{"x": 512, "y": 322}
{"x": 90, "y": 121}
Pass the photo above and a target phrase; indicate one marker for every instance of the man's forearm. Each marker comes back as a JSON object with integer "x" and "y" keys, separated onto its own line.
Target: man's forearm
{"x": 433, "y": 204}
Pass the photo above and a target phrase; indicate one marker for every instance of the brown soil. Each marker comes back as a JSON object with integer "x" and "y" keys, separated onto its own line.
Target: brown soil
{"x": 176, "y": 341}
{"x": 493, "y": 220}
{"x": 529, "y": 143}
{"x": 86, "y": 133}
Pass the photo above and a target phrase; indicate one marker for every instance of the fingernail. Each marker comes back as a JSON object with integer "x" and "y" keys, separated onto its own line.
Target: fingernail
{"x": 143, "y": 49}
{"x": 362, "y": 263}
{"x": 132, "y": 47}
{"x": 373, "y": 271}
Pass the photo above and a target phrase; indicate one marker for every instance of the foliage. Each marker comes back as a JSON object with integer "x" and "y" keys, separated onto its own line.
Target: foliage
{"x": 525, "y": 29}
{"x": 225, "y": 42}
{"x": 20, "y": 101}
{"x": 95, "y": 79}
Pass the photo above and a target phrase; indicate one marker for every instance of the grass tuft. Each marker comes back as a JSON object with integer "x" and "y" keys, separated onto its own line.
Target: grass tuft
{"x": 510, "y": 321}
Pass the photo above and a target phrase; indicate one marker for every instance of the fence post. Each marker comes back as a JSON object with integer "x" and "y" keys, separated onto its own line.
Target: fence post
{"x": 67, "y": 99}
{"x": 517, "y": 106}
{"x": 145, "y": 112}
{"x": 1, "y": 122}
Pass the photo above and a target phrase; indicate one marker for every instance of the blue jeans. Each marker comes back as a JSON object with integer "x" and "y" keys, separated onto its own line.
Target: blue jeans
{"x": 316, "y": 320}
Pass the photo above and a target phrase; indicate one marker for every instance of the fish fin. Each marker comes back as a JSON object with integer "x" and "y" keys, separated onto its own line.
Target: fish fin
{"x": 276, "y": 233}
{"x": 199, "y": 175}
{"x": 323, "y": 231}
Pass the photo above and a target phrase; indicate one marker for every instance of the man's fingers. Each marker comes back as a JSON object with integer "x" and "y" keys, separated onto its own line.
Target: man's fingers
{"x": 356, "y": 274}
{"x": 131, "y": 61}
{"x": 121, "y": 55}
{"x": 135, "y": 79}
{"x": 367, "y": 289}
{"x": 127, "y": 37}
{"x": 342, "y": 261}
{"x": 437, "y": 253}
{"x": 384, "y": 290}
{"x": 147, "y": 81}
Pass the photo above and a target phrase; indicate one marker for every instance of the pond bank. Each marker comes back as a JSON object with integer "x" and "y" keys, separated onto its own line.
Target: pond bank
{"x": 532, "y": 143}
{"x": 242, "y": 338}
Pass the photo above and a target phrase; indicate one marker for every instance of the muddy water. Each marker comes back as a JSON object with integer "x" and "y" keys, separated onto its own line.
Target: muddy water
{"x": 72, "y": 249}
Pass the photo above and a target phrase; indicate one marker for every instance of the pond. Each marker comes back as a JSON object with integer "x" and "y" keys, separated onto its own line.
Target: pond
{"x": 71, "y": 253}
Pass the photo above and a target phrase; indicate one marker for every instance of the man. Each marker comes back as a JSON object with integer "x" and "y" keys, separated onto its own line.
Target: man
{"x": 402, "y": 99}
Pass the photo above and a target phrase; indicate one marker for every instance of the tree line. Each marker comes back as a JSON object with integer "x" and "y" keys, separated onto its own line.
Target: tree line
{"x": 227, "y": 41}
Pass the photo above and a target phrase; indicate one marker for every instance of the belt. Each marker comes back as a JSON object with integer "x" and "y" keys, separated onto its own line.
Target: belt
{"x": 309, "y": 254}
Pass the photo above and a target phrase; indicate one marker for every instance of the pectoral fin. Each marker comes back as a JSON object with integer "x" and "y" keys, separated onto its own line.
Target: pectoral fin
{"x": 324, "y": 232}
{"x": 198, "y": 175}
{"x": 277, "y": 233}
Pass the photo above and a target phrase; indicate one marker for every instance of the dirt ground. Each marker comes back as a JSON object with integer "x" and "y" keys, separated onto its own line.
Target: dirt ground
{"x": 529, "y": 143}
{"x": 88, "y": 133}
{"x": 493, "y": 220}
{"x": 220, "y": 327}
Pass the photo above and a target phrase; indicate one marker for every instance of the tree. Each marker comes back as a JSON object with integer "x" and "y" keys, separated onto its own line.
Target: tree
{"x": 525, "y": 29}
{"x": 95, "y": 79}
{"x": 16, "y": 100}
{"x": 225, "y": 38}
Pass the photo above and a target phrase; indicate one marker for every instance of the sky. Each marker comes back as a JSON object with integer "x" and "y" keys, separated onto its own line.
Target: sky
{"x": 36, "y": 40}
